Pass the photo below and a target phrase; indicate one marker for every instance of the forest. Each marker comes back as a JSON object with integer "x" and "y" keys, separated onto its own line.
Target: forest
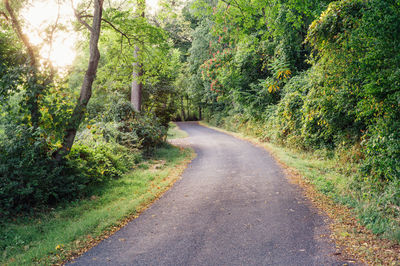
{"x": 319, "y": 77}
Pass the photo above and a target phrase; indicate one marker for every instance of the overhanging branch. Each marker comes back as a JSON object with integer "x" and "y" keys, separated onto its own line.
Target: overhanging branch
{"x": 118, "y": 30}
{"x": 79, "y": 17}
{"x": 129, "y": 38}
{"x": 21, "y": 35}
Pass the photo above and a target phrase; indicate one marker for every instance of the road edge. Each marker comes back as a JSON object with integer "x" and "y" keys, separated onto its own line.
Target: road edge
{"x": 343, "y": 225}
{"x": 174, "y": 176}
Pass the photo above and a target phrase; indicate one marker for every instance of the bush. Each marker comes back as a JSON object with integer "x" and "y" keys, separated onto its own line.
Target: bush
{"x": 285, "y": 124}
{"x": 382, "y": 152}
{"x": 29, "y": 177}
{"x": 217, "y": 119}
{"x": 150, "y": 132}
{"x": 134, "y": 130}
{"x": 98, "y": 164}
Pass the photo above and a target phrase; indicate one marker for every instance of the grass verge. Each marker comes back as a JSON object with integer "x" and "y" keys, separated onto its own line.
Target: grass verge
{"x": 174, "y": 132}
{"x": 66, "y": 232}
{"x": 326, "y": 186}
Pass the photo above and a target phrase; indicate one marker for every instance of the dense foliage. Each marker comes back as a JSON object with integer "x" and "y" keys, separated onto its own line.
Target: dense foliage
{"x": 37, "y": 103}
{"x": 311, "y": 75}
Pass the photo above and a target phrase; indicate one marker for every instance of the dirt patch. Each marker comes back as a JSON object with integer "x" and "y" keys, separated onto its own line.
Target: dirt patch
{"x": 181, "y": 143}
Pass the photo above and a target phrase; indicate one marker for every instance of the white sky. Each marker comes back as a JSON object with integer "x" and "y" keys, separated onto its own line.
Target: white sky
{"x": 41, "y": 13}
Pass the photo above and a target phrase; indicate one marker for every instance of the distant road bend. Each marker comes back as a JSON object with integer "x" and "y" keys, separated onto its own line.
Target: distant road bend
{"x": 233, "y": 206}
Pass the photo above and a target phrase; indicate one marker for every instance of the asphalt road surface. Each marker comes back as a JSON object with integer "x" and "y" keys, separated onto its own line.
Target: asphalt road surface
{"x": 233, "y": 206}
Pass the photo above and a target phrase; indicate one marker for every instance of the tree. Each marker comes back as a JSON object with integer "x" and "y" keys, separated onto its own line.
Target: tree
{"x": 137, "y": 72}
{"x": 86, "y": 89}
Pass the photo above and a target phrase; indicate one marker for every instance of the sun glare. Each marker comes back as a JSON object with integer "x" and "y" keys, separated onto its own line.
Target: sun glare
{"x": 152, "y": 5}
{"x": 39, "y": 15}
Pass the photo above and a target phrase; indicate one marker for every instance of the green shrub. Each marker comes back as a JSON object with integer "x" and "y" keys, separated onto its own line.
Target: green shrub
{"x": 382, "y": 152}
{"x": 134, "y": 130}
{"x": 29, "y": 177}
{"x": 150, "y": 132}
{"x": 97, "y": 164}
{"x": 287, "y": 119}
{"x": 217, "y": 119}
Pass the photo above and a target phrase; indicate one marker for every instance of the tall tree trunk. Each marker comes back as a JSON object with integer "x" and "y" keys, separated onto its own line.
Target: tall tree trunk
{"x": 86, "y": 89}
{"x": 137, "y": 72}
{"x": 136, "y": 91}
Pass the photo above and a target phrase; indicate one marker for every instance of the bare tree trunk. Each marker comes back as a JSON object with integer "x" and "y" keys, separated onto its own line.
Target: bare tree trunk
{"x": 136, "y": 91}
{"x": 137, "y": 72}
{"x": 182, "y": 109}
{"x": 86, "y": 89}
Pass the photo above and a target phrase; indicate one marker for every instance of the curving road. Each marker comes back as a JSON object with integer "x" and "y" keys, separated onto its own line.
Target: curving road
{"x": 233, "y": 206}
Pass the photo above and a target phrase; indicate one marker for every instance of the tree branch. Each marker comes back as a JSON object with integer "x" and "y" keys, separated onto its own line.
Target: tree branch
{"x": 237, "y": 5}
{"x": 118, "y": 30}
{"x": 79, "y": 18}
{"x": 129, "y": 38}
{"x": 21, "y": 35}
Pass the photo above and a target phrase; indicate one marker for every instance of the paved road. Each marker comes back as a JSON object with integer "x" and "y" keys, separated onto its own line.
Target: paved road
{"x": 233, "y": 206}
